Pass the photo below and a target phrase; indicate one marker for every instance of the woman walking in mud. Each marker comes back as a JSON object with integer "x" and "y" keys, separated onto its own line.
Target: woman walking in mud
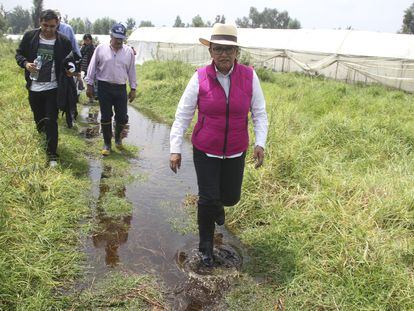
{"x": 223, "y": 92}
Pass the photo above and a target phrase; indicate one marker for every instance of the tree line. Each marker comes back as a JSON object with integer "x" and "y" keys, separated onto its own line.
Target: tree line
{"x": 18, "y": 20}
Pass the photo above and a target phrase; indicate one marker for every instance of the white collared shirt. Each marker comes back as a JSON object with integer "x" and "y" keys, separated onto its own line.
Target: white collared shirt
{"x": 188, "y": 104}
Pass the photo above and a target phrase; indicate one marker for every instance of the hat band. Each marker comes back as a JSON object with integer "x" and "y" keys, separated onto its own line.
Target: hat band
{"x": 224, "y": 37}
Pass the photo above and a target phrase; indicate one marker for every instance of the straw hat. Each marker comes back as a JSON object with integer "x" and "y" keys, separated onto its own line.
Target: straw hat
{"x": 225, "y": 34}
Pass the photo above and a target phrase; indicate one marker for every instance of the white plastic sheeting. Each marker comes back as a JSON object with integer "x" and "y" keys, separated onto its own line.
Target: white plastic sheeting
{"x": 349, "y": 55}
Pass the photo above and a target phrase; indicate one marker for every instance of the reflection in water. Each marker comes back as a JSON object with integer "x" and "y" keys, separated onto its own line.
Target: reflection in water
{"x": 112, "y": 233}
{"x": 144, "y": 242}
{"x": 112, "y": 230}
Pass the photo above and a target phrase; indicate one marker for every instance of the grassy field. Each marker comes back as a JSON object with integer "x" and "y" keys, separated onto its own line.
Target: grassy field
{"x": 39, "y": 207}
{"x": 329, "y": 219}
{"x": 42, "y": 209}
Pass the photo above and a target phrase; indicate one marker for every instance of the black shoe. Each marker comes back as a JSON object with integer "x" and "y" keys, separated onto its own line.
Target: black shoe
{"x": 220, "y": 217}
{"x": 207, "y": 259}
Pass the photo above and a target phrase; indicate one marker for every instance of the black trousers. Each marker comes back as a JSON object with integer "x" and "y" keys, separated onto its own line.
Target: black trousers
{"x": 219, "y": 183}
{"x": 45, "y": 113}
{"x": 113, "y": 95}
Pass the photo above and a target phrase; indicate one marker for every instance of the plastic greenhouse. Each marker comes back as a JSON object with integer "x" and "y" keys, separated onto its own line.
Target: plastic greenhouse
{"x": 348, "y": 55}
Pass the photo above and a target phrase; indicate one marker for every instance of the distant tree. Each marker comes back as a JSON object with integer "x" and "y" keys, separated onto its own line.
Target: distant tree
{"x": 269, "y": 18}
{"x": 102, "y": 26}
{"x": 18, "y": 20}
{"x": 178, "y": 22}
{"x": 36, "y": 10}
{"x": 131, "y": 23}
{"x": 220, "y": 19}
{"x": 77, "y": 24}
{"x": 146, "y": 24}
{"x": 88, "y": 26}
{"x": 197, "y": 21}
{"x": 408, "y": 20}
{"x": 3, "y": 20}
{"x": 294, "y": 24}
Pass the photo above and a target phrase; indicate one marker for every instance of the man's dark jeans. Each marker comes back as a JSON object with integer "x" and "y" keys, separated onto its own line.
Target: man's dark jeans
{"x": 113, "y": 95}
{"x": 45, "y": 113}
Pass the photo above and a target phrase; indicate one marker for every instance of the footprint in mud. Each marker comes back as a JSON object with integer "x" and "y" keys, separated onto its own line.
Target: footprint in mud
{"x": 205, "y": 286}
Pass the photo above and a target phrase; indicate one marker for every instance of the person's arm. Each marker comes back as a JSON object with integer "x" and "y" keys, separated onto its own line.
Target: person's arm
{"x": 260, "y": 122}
{"x": 21, "y": 52}
{"x": 72, "y": 37}
{"x": 91, "y": 73}
{"x": 132, "y": 77}
{"x": 183, "y": 116}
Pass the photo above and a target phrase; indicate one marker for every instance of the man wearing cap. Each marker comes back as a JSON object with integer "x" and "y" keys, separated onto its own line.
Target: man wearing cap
{"x": 112, "y": 65}
{"x": 223, "y": 93}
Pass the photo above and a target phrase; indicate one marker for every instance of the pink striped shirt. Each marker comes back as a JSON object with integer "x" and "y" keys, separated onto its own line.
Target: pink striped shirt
{"x": 112, "y": 66}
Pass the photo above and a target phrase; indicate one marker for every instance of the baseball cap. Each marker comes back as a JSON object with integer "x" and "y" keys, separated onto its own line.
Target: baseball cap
{"x": 118, "y": 31}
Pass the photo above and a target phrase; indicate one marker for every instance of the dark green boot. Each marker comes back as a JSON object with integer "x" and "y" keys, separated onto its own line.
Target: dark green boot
{"x": 118, "y": 136}
{"x": 107, "y": 136}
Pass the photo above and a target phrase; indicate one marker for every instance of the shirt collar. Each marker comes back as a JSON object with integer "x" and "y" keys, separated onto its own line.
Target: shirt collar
{"x": 224, "y": 75}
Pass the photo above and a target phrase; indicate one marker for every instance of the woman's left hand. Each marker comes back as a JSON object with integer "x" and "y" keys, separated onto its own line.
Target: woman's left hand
{"x": 258, "y": 155}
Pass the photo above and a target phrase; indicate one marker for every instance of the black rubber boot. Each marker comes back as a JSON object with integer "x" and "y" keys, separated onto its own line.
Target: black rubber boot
{"x": 220, "y": 215}
{"x": 205, "y": 219}
{"x": 107, "y": 136}
{"x": 118, "y": 135}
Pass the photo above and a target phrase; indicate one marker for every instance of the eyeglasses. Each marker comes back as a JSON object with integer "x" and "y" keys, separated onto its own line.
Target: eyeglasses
{"x": 218, "y": 50}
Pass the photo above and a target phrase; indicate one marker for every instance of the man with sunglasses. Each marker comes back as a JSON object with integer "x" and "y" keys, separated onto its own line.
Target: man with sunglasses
{"x": 224, "y": 93}
{"x": 52, "y": 47}
{"x": 111, "y": 66}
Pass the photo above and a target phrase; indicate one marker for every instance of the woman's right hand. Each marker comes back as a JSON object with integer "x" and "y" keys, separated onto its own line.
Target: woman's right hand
{"x": 175, "y": 161}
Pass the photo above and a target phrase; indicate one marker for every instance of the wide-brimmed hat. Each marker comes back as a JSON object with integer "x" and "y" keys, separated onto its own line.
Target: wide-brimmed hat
{"x": 225, "y": 34}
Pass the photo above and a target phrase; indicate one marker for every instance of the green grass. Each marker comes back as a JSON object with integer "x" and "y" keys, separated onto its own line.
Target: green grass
{"x": 329, "y": 219}
{"x": 39, "y": 207}
{"x": 45, "y": 213}
{"x": 120, "y": 291}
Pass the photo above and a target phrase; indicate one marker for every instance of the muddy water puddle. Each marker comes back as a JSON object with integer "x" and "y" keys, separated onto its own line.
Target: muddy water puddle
{"x": 143, "y": 241}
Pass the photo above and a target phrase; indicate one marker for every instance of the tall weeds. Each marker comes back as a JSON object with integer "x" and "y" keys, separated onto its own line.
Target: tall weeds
{"x": 329, "y": 219}
{"x": 39, "y": 207}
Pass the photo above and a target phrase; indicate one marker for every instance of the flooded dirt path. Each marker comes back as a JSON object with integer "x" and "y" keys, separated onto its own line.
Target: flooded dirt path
{"x": 145, "y": 242}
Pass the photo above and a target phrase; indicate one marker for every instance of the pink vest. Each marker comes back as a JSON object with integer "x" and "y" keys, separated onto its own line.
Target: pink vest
{"x": 222, "y": 125}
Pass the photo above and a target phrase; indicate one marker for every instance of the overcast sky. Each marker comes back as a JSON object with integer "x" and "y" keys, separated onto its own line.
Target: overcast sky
{"x": 374, "y": 15}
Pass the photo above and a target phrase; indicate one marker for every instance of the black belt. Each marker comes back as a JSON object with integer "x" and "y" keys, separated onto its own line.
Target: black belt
{"x": 111, "y": 84}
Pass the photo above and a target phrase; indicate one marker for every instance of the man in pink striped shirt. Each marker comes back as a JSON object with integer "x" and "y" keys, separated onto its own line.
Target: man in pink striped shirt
{"x": 111, "y": 66}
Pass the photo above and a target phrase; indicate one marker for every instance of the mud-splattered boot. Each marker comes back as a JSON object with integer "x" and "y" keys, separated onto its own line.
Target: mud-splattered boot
{"x": 118, "y": 136}
{"x": 205, "y": 219}
{"x": 107, "y": 136}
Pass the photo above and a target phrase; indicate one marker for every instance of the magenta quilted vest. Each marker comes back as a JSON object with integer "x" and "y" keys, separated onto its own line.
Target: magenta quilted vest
{"x": 222, "y": 125}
